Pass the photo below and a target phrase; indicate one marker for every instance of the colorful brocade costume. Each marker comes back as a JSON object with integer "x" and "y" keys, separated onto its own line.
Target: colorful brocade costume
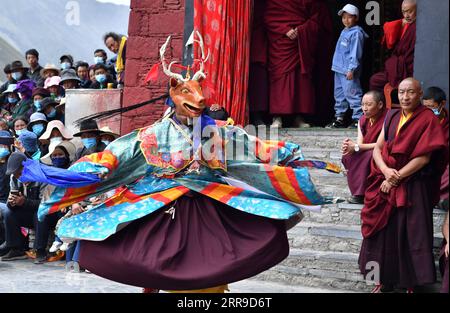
{"x": 149, "y": 171}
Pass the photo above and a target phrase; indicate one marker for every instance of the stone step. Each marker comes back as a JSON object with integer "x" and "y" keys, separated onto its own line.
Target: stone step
{"x": 318, "y": 269}
{"x": 322, "y": 269}
{"x": 317, "y": 138}
{"x": 333, "y": 237}
{"x": 350, "y": 214}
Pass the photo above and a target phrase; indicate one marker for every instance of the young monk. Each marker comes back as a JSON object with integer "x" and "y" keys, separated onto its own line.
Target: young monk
{"x": 397, "y": 219}
{"x": 357, "y": 157}
{"x": 435, "y": 99}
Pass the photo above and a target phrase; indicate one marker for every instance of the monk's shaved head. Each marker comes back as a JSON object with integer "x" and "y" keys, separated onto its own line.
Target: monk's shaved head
{"x": 411, "y": 81}
{"x": 410, "y": 93}
{"x": 410, "y": 2}
{"x": 409, "y": 11}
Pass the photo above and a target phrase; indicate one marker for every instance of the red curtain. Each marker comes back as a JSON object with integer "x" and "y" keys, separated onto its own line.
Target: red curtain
{"x": 225, "y": 27}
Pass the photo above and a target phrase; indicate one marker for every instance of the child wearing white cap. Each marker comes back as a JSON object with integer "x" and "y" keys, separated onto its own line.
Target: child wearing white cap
{"x": 347, "y": 68}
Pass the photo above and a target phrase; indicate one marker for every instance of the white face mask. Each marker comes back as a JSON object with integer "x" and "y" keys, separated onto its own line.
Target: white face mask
{"x": 56, "y": 140}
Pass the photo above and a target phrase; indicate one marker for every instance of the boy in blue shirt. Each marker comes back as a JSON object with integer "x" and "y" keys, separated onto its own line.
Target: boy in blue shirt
{"x": 347, "y": 67}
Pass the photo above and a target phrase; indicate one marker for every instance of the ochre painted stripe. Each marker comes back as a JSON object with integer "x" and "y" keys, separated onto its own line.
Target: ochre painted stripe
{"x": 294, "y": 182}
{"x": 274, "y": 182}
{"x": 281, "y": 176}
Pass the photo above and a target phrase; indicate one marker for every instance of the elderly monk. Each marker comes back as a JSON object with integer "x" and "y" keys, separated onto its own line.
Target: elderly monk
{"x": 403, "y": 188}
{"x": 357, "y": 156}
{"x": 400, "y": 36}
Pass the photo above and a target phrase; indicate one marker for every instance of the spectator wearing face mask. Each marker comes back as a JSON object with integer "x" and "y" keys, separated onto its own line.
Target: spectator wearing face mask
{"x": 102, "y": 78}
{"x": 101, "y": 57}
{"x": 28, "y": 145}
{"x": 18, "y": 71}
{"x": 49, "y": 109}
{"x": 11, "y": 100}
{"x": 66, "y": 62}
{"x": 38, "y": 95}
{"x": 25, "y": 106}
{"x": 4, "y": 86}
{"x": 82, "y": 69}
{"x": 38, "y": 125}
{"x": 107, "y": 135}
{"x": 55, "y": 134}
{"x": 20, "y": 124}
{"x": 90, "y": 136}
{"x": 56, "y": 91}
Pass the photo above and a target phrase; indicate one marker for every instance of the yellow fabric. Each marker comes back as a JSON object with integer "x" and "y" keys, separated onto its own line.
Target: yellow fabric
{"x": 119, "y": 63}
{"x": 219, "y": 289}
{"x": 404, "y": 118}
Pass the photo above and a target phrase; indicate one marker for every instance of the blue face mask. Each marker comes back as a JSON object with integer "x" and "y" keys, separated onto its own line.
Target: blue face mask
{"x": 89, "y": 143}
{"x": 37, "y": 105}
{"x": 4, "y": 153}
{"x": 437, "y": 111}
{"x": 13, "y": 100}
{"x": 19, "y": 132}
{"x": 106, "y": 142}
{"x": 66, "y": 65}
{"x": 38, "y": 129}
{"x": 98, "y": 60}
{"x": 16, "y": 75}
{"x": 100, "y": 78}
{"x": 60, "y": 162}
{"x": 52, "y": 113}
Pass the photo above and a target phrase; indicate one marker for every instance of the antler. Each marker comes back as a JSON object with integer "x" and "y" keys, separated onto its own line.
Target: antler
{"x": 201, "y": 74}
{"x": 167, "y": 70}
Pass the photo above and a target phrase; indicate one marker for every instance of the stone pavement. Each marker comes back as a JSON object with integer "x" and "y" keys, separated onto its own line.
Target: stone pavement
{"x": 25, "y": 277}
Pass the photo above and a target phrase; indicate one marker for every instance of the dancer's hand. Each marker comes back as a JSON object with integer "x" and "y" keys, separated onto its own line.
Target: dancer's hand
{"x": 215, "y": 107}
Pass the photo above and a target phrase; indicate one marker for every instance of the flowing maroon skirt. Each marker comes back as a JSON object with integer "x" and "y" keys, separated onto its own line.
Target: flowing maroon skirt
{"x": 206, "y": 244}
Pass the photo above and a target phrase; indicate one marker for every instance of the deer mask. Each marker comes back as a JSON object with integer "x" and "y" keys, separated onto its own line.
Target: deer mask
{"x": 186, "y": 92}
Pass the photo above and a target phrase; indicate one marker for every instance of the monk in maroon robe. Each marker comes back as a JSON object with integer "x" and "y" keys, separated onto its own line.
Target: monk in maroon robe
{"x": 258, "y": 87}
{"x": 403, "y": 188}
{"x": 357, "y": 157}
{"x": 293, "y": 28}
{"x": 436, "y": 99}
{"x": 400, "y": 35}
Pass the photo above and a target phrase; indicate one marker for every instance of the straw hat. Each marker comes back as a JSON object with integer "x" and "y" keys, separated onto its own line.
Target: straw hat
{"x": 50, "y": 67}
{"x": 107, "y": 131}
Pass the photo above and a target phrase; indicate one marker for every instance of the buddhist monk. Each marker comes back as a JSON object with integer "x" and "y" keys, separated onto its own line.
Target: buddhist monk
{"x": 435, "y": 99}
{"x": 294, "y": 29}
{"x": 403, "y": 188}
{"x": 357, "y": 157}
{"x": 400, "y": 36}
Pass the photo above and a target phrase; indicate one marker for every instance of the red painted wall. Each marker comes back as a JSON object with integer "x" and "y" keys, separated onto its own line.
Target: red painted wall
{"x": 151, "y": 21}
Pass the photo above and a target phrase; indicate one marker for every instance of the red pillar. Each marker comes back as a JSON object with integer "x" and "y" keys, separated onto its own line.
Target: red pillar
{"x": 151, "y": 21}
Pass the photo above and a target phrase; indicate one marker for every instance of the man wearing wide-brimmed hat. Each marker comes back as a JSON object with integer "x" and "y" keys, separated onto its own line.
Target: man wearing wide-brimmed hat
{"x": 90, "y": 136}
{"x": 69, "y": 79}
{"x": 49, "y": 70}
{"x": 107, "y": 135}
{"x": 49, "y": 109}
{"x": 18, "y": 71}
